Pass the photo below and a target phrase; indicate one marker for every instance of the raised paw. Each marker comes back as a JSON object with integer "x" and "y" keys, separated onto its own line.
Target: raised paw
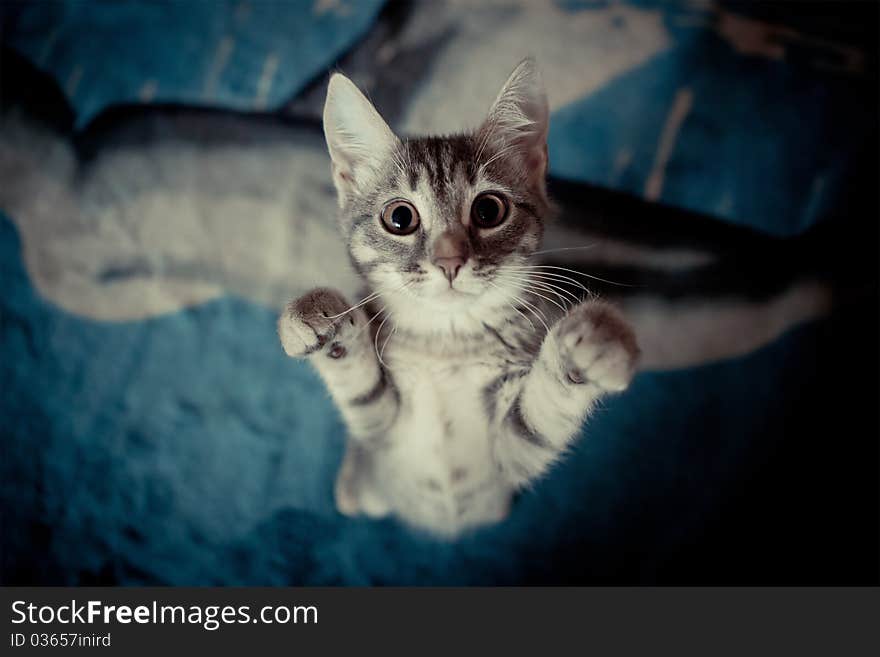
{"x": 597, "y": 346}
{"x": 313, "y": 321}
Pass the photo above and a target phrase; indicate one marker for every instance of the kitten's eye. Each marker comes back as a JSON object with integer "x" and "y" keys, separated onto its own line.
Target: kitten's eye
{"x": 400, "y": 217}
{"x": 488, "y": 211}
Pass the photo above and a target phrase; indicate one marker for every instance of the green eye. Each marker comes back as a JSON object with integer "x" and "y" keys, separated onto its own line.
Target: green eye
{"x": 400, "y": 217}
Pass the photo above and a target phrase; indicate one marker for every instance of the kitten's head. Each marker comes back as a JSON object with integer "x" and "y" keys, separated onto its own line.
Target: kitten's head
{"x": 439, "y": 224}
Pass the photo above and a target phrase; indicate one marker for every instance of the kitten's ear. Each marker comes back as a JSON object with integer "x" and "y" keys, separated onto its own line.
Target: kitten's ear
{"x": 357, "y": 137}
{"x": 519, "y": 119}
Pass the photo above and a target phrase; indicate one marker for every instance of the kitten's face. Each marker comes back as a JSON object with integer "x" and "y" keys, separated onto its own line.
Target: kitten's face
{"x": 442, "y": 222}
{"x": 440, "y": 226}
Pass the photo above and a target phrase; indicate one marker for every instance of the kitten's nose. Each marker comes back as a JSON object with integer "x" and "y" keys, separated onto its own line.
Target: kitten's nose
{"x": 450, "y": 254}
{"x": 450, "y": 266}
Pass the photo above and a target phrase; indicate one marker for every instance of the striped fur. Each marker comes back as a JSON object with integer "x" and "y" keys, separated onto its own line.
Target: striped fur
{"x": 455, "y": 392}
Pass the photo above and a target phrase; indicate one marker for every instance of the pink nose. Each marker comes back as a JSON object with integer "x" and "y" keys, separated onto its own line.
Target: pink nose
{"x": 450, "y": 252}
{"x": 450, "y": 266}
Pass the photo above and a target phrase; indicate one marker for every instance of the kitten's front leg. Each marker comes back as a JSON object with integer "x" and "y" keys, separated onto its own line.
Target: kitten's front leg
{"x": 590, "y": 352}
{"x": 336, "y": 341}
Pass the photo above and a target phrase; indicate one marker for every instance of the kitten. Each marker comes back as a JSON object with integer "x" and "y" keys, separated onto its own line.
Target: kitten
{"x": 101, "y": 213}
{"x": 456, "y": 381}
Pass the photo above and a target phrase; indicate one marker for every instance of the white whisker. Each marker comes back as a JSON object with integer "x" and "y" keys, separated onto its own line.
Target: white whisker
{"x": 371, "y": 320}
{"x": 580, "y": 273}
{"x": 530, "y": 290}
{"x": 534, "y": 310}
{"x": 376, "y": 339}
{"x": 514, "y": 308}
{"x": 567, "y": 248}
{"x": 360, "y": 303}
{"x": 544, "y": 285}
{"x": 547, "y": 276}
{"x": 540, "y": 316}
{"x": 385, "y": 344}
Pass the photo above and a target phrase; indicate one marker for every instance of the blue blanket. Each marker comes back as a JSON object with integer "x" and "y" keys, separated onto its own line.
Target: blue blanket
{"x": 184, "y": 449}
{"x": 754, "y": 122}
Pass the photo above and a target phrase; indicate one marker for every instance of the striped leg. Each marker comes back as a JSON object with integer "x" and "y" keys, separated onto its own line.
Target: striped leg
{"x": 590, "y": 352}
{"x": 317, "y": 326}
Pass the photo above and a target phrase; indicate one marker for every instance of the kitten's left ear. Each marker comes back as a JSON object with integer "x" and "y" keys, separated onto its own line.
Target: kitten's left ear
{"x": 519, "y": 119}
{"x": 358, "y": 138}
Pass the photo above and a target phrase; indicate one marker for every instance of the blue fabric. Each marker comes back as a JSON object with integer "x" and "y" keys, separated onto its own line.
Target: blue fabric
{"x": 763, "y": 145}
{"x": 200, "y": 52}
{"x": 186, "y": 450}
{"x": 767, "y": 143}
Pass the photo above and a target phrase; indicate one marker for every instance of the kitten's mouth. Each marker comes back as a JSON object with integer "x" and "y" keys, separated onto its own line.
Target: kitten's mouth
{"x": 455, "y": 292}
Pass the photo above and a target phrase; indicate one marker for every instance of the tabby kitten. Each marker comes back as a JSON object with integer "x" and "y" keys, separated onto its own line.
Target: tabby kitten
{"x": 467, "y": 371}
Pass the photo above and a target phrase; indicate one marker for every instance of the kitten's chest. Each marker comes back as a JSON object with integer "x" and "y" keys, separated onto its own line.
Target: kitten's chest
{"x": 442, "y": 413}
{"x": 438, "y": 466}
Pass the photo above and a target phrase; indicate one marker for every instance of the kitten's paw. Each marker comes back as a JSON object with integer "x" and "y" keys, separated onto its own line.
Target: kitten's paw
{"x": 314, "y": 320}
{"x": 597, "y": 346}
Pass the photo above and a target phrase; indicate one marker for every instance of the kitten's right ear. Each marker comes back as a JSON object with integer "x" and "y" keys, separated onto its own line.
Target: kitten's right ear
{"x": 358, "y": 138}
{"x": 518, "y": 121}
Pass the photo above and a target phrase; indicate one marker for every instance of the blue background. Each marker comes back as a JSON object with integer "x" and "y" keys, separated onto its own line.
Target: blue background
{"x": 184, "y": 449}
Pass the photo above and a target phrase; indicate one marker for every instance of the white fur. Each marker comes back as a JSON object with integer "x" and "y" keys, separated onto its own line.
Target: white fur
{"x": 358, "y": 139}
{"x": 446, "y": 417}
{"x": 441, "y": 393}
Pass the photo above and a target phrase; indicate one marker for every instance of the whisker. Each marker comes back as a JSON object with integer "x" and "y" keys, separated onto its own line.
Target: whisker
{"x": 551, "y": 276}
{"x": 404, "y": 287}
{"x": 360, "y": 303}
{"x": 563, "y": 300}
{"x": 385, "y": 344}
{"x": 552, "y": 289}
{"x": 376, "y": 339}
{"x": 549, "y": 287}
{"x": 530, "y": 290}
{"x": 523, "y": 315}
{"x": 538, "y": 314}
{"x": 400, "y": 288}
{"x": 580, "y": 273}
{"x": 371, "y": 320}
{"x": 567, "y": 248}
{"x": 515, "y": 309}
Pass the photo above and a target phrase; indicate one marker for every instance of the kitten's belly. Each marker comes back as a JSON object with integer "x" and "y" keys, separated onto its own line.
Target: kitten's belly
{"x": 438, "y": 472}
